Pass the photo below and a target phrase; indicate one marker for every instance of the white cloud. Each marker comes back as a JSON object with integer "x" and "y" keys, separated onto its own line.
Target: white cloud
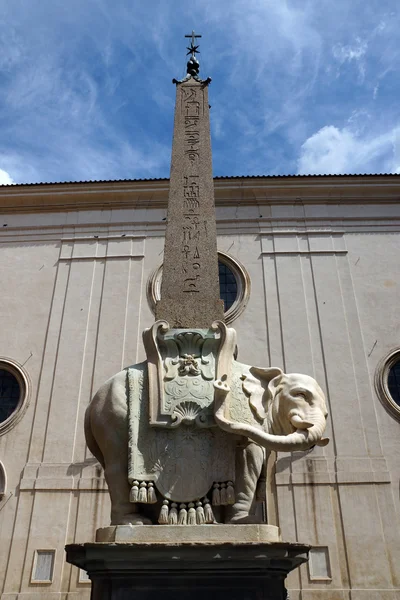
{"x": 5, "y": 178}
{"x": 349, "y": 53}
{"x": 352, "y": 53}
{"x": 339, "y": 151}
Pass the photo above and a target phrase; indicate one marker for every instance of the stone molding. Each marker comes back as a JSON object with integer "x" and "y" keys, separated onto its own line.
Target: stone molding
{"x": 227, "y": 224}
{"x": 122, "y": 194}
{"x": 306, "y": 470}
{"x": 281, "y": 479}
{"x": 298, "y": 252}
{"x": 238, "y": 569}
{"x": 56, "y": 476}
{"x": 332, "y": 478}
{"x": 209, "y": 534}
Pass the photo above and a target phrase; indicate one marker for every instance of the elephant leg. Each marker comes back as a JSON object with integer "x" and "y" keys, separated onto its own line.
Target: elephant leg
{"x": 123, "y": 512}
{"x": 249, "y": 464}
{"x": 107, "y": 424}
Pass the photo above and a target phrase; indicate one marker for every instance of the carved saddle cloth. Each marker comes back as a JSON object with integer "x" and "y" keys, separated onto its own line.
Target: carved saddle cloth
{"x": 184, "y": 459}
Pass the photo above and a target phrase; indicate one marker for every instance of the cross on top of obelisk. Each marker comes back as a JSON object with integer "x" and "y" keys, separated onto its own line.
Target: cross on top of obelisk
{"x": 192, "y": 49}
{"x": 193, "y": 65}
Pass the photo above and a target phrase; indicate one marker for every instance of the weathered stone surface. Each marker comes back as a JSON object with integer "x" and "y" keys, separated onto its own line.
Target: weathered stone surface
{"x": 190, "y": 285}
{"x": 198, "y": 440}
{"x": 238, "y": 571}
{"x": 205, "y": 534}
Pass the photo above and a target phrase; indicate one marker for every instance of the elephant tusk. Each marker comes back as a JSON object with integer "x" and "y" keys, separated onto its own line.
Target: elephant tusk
{"x": 300, "y": 423}
{"x": 322, "y": 442}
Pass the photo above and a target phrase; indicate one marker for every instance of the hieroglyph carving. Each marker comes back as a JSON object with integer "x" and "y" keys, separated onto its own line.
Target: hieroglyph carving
{"x": 192, "y": 108}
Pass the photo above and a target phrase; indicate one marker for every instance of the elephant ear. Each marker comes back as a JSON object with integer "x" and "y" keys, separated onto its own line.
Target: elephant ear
{"x": 256, "y": 385}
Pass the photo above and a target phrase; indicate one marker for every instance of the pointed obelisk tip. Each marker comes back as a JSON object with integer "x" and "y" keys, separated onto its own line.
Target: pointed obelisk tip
{"x": 193, "y": 65}
{"x": 190, "y": 295}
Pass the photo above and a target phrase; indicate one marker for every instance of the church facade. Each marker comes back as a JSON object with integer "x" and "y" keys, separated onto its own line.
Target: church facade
{"x": 316, "y": 274}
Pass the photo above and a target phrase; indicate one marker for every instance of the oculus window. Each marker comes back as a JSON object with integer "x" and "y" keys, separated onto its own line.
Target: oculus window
{"x": 227, "y": 285}
{"x": 13, "y": 394}
{"x": 387, "y": 382}
{"x": 9, "y": 394}
{"x": 234, "y": 286}
{"x": 394, "y": 382}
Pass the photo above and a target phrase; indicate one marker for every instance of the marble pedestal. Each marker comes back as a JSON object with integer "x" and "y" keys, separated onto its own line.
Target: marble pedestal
{"x": 240, "y": 562}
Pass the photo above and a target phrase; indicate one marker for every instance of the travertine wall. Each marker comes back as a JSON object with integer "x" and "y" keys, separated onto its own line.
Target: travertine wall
{"x": 322, "y": 255}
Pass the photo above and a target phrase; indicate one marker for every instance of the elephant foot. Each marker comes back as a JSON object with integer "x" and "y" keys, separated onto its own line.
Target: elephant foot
{"x": 132, "y": 519}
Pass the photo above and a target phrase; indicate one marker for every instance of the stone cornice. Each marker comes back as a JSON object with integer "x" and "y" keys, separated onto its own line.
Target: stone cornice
{"x": 345, "y": 189}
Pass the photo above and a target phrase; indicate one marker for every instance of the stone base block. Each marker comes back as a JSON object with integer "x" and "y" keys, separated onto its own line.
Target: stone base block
{"x": 190, "y": 568}
{"x": 180, "y": 534}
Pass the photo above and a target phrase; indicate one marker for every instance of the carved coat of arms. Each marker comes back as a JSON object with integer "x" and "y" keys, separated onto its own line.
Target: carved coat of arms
{"x": 175, "y": 444}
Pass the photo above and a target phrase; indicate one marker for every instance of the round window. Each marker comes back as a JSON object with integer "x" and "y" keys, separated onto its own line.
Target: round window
{"x": 387, "y": 382}
{"x": 13, "y": 394}
{"x": 227, "y": 285}
{"x": 9, "y": 394}
{"x": 234, "y": 286}
{"x": 393, "y": 382}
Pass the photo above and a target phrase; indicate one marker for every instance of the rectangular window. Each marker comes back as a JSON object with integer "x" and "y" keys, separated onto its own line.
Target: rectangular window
{"x": 43, "y": 566}
{"x": 318, "y": 566}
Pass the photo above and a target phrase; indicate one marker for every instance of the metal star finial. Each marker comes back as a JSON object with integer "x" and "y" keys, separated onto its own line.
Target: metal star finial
{"x": 193, "y": 49}
{"x": 193, "y": 66}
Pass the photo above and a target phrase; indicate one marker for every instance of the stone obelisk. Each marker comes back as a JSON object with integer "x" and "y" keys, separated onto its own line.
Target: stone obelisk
{"x": 190, "y": 286}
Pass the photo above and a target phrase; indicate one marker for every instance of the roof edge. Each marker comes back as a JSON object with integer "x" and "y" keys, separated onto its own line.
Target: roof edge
{"x": 216, "y": 178}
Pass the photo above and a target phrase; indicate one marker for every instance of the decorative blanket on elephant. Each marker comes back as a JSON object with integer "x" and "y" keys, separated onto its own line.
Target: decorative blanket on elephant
{"x": 184, "y": 462}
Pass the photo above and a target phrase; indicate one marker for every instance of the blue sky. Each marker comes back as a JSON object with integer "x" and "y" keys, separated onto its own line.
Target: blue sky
{"x": 300, "y": 86}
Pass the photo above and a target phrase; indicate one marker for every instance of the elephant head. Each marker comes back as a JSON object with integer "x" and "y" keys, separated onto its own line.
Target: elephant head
{"x": 291, "y": 406}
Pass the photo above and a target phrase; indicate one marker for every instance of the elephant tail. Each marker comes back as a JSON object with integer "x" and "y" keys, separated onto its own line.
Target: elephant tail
{"x": 90, "y": 440}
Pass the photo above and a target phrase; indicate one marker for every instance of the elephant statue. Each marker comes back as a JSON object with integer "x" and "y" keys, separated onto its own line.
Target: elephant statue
{"x": 251, "y": 412}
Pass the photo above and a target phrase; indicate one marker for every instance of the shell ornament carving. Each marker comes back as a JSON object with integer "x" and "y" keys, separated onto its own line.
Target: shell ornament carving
{"x": 188, "y": 412}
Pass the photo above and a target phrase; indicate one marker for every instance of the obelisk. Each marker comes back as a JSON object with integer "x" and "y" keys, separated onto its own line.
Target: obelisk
{"x": 190, "y": 286}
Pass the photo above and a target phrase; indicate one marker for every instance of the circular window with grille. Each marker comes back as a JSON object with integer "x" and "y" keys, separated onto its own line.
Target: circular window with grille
{"x": 387, "y": 382}
{"x": 234, "y": 286}
{"x": 13, "y": 394}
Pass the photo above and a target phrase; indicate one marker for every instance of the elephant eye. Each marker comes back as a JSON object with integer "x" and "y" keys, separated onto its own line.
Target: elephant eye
{"x": 301, "y": 394}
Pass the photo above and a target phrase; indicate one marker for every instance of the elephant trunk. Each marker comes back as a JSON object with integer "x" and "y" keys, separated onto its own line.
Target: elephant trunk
{"x": 301, "y": 439}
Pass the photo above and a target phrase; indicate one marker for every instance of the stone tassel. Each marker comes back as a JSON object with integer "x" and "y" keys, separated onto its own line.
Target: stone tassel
{"x": 151, "y": 493}
{"x": 191, "y": 516}
{"x": 182, "y": 518}
{"x": 216, "y": 497}
{"x": 143, "y": 492}
{"x": 230, "y": 493}
{"x": 134, "y": 495}
{"x": 163, "y": 518}
{"x": 208, "y": 512}
{"x": 223, "y": 494}
{"x": 173, "y": 515}
{"x": 200, "y": 518}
